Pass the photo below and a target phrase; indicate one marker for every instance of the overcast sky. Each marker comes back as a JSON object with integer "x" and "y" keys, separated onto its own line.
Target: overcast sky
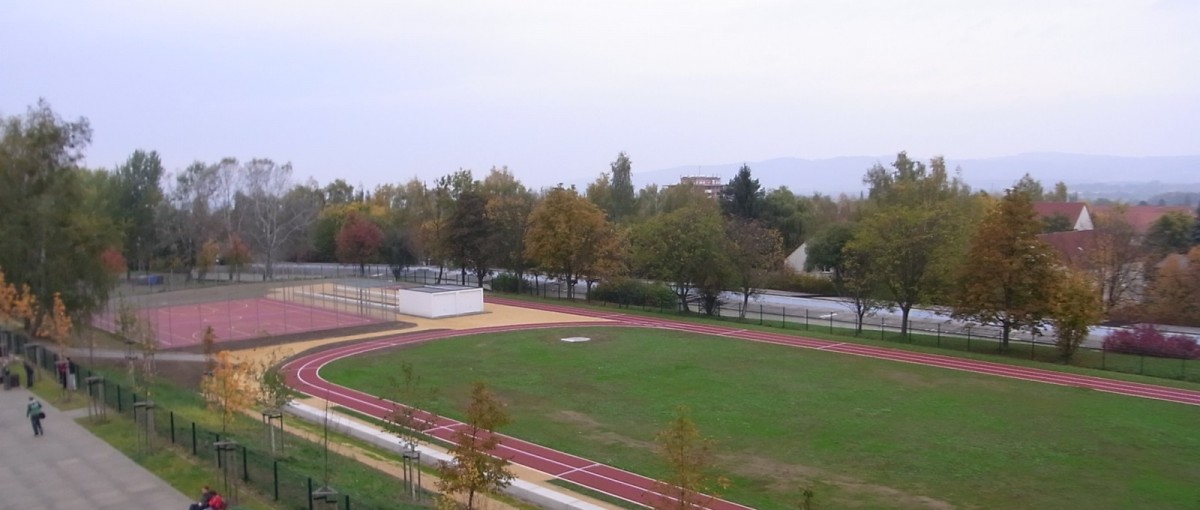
{"x": 383, "y": 91}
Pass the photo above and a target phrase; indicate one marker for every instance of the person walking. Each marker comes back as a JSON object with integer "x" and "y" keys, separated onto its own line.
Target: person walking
{"x": 28, "y": 373}
{"x": 34, "y": 412}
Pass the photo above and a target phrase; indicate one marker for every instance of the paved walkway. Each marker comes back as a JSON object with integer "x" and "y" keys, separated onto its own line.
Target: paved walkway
{"x": 68, "y": 468}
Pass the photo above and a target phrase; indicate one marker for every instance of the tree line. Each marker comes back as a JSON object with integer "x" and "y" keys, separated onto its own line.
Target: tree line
{"x": 919, "y": 236}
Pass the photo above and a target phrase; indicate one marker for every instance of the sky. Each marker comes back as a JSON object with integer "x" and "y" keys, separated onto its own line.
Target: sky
{"x": 376, "y": 92}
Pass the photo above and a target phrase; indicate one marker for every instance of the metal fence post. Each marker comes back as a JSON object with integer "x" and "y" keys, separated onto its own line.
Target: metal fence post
{"x": 805, "y": 319}
{"x": 194, "y": 451}
{"x": 275, "y": 478}
{"x": 347, "y": 502}
{"x": 119, "y": 409}
{"x": 310, "y": 494}
{"x": 783, "y": 319}
{"x": 245, "y": 472}
{"x": 172, "y": 415}
{"x": 760, "y": 314}
{"x": 939, "y": 335}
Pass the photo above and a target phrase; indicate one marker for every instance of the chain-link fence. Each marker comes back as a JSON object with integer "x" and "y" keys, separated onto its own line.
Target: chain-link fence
{"x": 924, "y": 329}
{"x": 275, "y": 310}
{"x": 238, "y": 457}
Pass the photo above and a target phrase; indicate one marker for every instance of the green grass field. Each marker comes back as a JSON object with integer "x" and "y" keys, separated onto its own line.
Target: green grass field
{"x": 862, "y": 433}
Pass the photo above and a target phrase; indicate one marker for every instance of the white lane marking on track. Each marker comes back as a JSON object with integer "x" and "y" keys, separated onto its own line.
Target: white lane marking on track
{"x": 332, "y": 388}
{"x": 830, "y": 346}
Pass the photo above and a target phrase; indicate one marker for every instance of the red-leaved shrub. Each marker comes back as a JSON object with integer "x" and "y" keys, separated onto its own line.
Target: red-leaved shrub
{"x": 1147, "y": 340}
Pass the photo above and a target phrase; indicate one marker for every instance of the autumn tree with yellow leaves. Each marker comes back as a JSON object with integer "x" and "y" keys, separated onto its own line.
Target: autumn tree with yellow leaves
{"x": 1010, "y": 276}
{"x": 56, "y": 325}
{"x": 230, "y": 389}
{"x": 18, "y": 305}
{"x": 474, "y": 467}
{"x": 691, "y": 481}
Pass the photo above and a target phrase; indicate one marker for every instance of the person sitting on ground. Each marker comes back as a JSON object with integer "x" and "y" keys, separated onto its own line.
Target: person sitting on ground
{"x": 206, "y": 495}
{"x": 217, "y": 502}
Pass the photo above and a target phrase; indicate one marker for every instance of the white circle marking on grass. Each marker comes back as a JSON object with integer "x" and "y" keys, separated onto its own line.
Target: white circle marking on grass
{"x": 576, "y": 339}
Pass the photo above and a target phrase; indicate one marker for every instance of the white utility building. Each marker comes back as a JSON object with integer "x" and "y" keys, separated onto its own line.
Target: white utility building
{"x": 437, "y": 301}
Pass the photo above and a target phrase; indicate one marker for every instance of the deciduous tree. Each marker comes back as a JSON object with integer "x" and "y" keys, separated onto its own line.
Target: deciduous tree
{"x": 1010, "y": 275}
{"x": 911, "y": 231}
{"x": 56, "y": 325}
{"x": 359, "y": 242}
{"x": 831, "y": 251}
{"x": 208, "y": 346}
{"x": 276, "y": 211}
{"x": 1173, "y": 297}
{"x": 138, "y": 194}
{"x": 1076, "y": 308}
{"x": 688, "y": 248}
{"x": 508, "y": 209}
{"x": 564, "y": 231}
{"x": 468, "y": 233}
{"x": 53, "y": 230}
{"x": 1030, "y": 187}
{"x": 1170, "y": 233}
{"x": 1057, "y": 222}
{"x": 691, "y": 481}
{"x": 599, "y": 192}
{"x": 274, "y": 395}
{"x": 237, "y": 256}
{"x": 475, "y": 468}
{"x": 230, "y": 389}
{"x": 621, "y": 196}
{"x": 1114, "y": 258}
{"x": 1059, "y": 194}
{"x": 193, "y": 219}
{"x": 788, "y": 214}
{"x": 758, "y": 251}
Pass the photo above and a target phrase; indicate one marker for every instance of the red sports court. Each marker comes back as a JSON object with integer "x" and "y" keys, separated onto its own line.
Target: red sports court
{"x": 183, "y": 325}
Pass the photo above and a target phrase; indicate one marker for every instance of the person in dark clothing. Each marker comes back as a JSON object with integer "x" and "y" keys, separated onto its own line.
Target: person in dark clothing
{"x": 61, "y": 366}
{"x": 33, "y": 411}
{"x": 28, "y": 374}
{"x": 205, "y": 496}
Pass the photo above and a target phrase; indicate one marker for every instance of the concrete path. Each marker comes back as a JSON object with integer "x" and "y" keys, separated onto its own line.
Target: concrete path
{"x": 68, "y": 468}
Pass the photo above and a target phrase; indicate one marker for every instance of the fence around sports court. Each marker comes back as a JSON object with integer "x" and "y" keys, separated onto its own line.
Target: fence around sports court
{"x": 924, "y": 329}
{"x": 241, "y": 458}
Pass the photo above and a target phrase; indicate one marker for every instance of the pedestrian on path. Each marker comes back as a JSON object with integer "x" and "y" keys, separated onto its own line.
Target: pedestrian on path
{"x": 61, "y": 365}
{"x": 34, "y": 412}
{"x": 28, "y": 373}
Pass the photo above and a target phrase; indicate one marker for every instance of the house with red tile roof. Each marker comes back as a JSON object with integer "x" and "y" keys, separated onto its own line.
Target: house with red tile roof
{"x": 1076, "y": 213}
{"x": 1071, "y": 246}
{"x": 1142, "y": 217}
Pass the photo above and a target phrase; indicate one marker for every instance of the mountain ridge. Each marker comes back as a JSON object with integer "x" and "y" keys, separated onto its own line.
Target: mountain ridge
{"x": 843, "y": 174}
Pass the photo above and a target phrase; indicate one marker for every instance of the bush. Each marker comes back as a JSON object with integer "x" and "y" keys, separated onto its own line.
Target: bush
{"x": 1146, "y": 340}
{"x": 792, "y": 281}
{"x": 627, "y": 291}
{"x": 507, "y": 282}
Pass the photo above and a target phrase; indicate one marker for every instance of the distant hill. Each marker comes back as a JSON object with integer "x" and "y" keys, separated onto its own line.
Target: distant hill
{"x": 1091, "y": 176}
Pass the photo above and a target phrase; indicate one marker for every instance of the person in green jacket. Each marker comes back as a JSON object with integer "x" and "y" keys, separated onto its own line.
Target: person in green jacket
{"x": 33, "y": 411}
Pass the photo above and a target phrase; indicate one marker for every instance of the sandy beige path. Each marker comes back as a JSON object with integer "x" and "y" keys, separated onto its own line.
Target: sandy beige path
{"x": 494, "y": 315}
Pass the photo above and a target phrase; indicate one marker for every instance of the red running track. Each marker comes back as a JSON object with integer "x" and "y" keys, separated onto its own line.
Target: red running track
{"x": 302, "y": 374}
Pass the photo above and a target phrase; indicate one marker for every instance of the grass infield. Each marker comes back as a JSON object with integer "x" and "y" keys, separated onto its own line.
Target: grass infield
{"x": 862, "y": 433}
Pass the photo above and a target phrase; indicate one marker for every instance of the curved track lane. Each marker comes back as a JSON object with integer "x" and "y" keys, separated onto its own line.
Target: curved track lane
{"x": 303, "y": 374}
